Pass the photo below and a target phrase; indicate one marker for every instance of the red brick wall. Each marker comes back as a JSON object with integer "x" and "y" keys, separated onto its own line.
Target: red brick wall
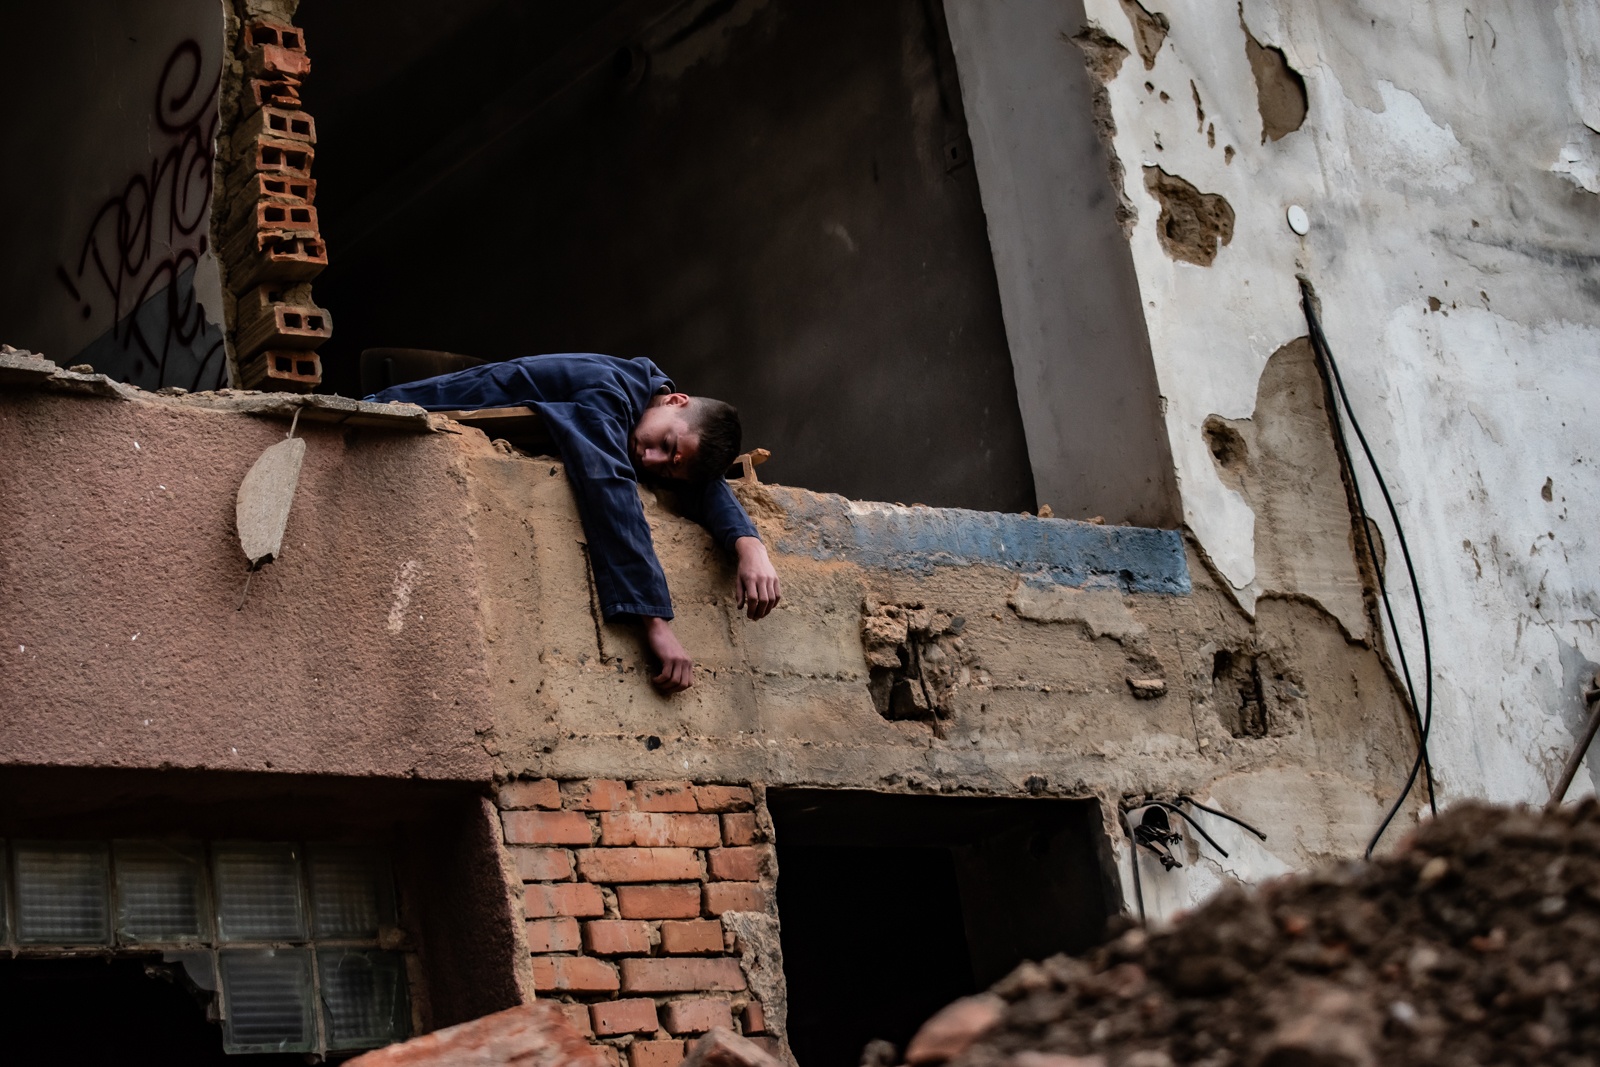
{"x": 624, "y": 886}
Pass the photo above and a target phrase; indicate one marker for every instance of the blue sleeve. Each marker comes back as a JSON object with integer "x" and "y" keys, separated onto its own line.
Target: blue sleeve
{"x": 719, "y": 511}
{"x": 627, "y": 574}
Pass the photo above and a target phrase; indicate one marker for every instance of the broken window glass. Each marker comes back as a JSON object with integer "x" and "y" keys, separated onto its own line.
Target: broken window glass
{"x": 266, "y": 996}
{"x": 363, "y": 996}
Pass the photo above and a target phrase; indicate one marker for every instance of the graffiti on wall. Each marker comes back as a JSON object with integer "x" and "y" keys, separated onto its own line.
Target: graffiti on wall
{"x": 142, "y": 249}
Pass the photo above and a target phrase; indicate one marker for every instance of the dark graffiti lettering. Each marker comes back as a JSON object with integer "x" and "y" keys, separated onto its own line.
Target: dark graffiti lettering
{"x": 143, "y": 240}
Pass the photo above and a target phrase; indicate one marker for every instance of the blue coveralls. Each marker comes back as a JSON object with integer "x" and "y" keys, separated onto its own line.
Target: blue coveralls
{"x": 590, "y": 404}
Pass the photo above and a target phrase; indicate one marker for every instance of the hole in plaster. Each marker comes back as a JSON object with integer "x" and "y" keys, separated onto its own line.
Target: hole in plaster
{"x": 1193, "y": 224}
{"x": 1236, "y": 689}
{"x": 1149, "y": 30}
{"x": 1280, "y": 90}
{"x": 1226, "y": 444}
{"x": 916, "y": 660}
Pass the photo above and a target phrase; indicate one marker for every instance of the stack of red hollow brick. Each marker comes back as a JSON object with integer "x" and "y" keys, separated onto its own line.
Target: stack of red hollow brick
{"x": 624, "y": 888}
{"x": 274, "y": 245}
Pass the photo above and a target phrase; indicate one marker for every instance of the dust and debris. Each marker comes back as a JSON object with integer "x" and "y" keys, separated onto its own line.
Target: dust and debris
{"x": 1149, "y": 30}
{"x": 1102, "y": 57}
{"x": 1192, "y": 224}
{"x": 1280, "y": 90}
{"x": 1478, "y": 942}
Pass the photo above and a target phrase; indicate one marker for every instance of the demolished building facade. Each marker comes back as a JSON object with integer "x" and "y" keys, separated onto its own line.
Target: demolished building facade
{"x": 1008, "y": 255}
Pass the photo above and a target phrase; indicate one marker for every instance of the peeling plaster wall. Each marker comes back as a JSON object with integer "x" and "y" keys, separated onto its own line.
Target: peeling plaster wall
{"x": 1447, "y": 162}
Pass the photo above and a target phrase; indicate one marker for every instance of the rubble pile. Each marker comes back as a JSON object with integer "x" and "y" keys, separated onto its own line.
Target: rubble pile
{"x": 1477, "y": 943}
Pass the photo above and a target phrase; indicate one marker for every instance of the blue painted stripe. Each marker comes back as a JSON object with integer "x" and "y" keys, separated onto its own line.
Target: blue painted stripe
{"x": 1054, "y": 551}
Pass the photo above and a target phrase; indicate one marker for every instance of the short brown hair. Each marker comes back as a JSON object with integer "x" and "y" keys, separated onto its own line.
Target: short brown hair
{"x": 717, "y": 423}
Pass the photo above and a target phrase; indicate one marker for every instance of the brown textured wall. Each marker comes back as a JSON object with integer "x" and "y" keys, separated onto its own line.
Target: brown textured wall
{"x": 121, "y": 638}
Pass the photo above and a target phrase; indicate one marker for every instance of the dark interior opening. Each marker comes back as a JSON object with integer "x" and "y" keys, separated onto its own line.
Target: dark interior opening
{"x": 892, "y": 906}
{"x": 129, "y": 1011}
{"x": 772, "y": 199}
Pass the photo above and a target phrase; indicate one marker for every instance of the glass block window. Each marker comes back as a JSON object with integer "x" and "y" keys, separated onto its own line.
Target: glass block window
{"x": 258, "y": 893}
{"x": 161, "y": 892}
{"x": 63, "y": 893}
{"x": 287, "y": 934}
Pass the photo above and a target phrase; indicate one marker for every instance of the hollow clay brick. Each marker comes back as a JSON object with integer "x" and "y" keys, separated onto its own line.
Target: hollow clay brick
{"x": 275, "y": 92}
{"x": 655, "y": 1054}
{"x": 755, "y": 1018}
{"x": 739, "y": 828}
{"x": 596, "y": 794}
{"x": 543, "y": 864}
{"x": 271, "y": 60}
{"x": 637, "y": 1016}
{"x": 617, "y": 937}
{"x": 553, "y": 935}
{"x": 639, "y": 864}
{"x": 697, "y": 1015}
{"x": 664, "y": 796}
{"x": 657, "y": 829}
{"x": 681, "y": 975}
{"x": 719, "y": 798}
{"x": 282, "y": 371}
{"x": 289, "y": 124}
{"x": 577, "y": 899}
{"x": 573, "y": 974}
{"x": 542, "y": 793}
{"x": 736, "y": 864}
{"x": 696, "y": 937}
{"x": 658, "y": 901}
{"x": 273, "y": 155}
{"x": 734, "y": 896}
{"x": 547, "y": 828}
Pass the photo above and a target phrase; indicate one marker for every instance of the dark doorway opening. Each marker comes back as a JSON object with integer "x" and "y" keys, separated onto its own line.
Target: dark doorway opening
{"x": 772, "y": 199}
{"x": 128, "y": 1011}
{"x": 892, "y": 906}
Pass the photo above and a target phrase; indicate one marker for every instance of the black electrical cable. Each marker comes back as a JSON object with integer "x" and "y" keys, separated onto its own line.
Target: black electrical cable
{"x": 1185, "y": 817}
{"x": 1424, "y": 713}
{"x": 1187, "y": 799}
{"x": 1133, "y": 858}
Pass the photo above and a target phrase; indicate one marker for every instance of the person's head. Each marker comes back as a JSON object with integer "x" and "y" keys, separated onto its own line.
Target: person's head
{"x": 686, "y": 438}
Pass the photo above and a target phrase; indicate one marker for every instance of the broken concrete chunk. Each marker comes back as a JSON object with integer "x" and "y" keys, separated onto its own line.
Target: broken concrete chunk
{"x": 723, "y": 1048}
{"x": 531, "y": 1035}
{"x": 1102, "y": 611}
{"x": 261, "y": 508}
{"x": 1148, "y": 688}
{"x": 954, "y": 1029}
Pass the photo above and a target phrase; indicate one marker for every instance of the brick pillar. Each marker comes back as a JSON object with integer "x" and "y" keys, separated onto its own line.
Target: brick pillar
{"x": 272, "y": 245}
{"x": 624, "y": 889}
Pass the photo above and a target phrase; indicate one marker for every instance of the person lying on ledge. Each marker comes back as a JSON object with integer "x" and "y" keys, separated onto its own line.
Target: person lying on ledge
{"x": 617, "y": 422}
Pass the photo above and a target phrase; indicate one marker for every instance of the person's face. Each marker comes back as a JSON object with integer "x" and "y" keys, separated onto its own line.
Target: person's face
{"x": 663, "y": 444}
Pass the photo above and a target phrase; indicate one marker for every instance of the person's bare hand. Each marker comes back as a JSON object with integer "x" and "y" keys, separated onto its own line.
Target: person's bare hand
{"x": 677, "y": 669}
{"x": 757, "y": 588}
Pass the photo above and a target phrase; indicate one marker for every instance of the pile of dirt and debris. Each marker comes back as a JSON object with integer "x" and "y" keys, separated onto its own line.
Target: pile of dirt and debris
{"x": 1477, "y": 943}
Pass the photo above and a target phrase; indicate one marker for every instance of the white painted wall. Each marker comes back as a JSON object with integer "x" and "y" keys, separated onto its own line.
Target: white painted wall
{"x": 1449, "y": 152}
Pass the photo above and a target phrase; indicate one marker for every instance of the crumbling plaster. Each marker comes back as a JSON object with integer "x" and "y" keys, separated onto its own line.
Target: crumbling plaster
{"x": 1446, "y": 165}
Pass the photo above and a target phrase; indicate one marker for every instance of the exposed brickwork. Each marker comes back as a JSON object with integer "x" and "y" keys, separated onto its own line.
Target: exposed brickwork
{"x": 697, "y": 937}
{"x": 737, "y": 864}
{"x": 656, "y": 1053}
{"x": 739, "y": 828}
{"x": 697, "y": 1015}
{"x": 636, "y": 1016}
{"x": 624, "y": 884}
{"x": 658, "y": 901}
{"x": 543, "y": 864}
{"x": 617, "y": 937}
